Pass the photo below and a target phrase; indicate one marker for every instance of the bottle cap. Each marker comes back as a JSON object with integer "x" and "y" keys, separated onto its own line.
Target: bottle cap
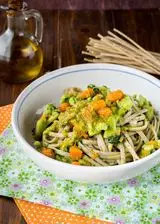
{"x": 13, "y": 6}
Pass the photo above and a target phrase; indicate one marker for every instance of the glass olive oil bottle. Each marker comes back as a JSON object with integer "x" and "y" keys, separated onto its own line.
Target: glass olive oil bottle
{"x": 21, "y": 57}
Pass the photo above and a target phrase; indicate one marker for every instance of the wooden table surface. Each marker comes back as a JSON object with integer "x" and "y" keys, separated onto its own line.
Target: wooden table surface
{"x": 65, "y": 34}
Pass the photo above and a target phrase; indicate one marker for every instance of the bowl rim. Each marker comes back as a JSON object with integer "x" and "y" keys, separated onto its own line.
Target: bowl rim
{"x": 69, "y": 69}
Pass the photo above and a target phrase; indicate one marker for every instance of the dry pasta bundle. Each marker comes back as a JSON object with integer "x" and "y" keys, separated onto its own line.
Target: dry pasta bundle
{"x": 118, "y": 48}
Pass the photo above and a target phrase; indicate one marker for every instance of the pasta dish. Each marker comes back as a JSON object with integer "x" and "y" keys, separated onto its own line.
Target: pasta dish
{"x": 98, "y": 127}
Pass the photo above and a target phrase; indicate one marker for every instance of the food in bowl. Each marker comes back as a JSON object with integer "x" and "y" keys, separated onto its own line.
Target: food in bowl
{"x": 49, "y": 88}
{"x": 98, "y": 127}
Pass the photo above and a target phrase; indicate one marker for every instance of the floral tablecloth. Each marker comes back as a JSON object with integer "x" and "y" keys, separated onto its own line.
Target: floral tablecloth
{"x": 134, "y": 201}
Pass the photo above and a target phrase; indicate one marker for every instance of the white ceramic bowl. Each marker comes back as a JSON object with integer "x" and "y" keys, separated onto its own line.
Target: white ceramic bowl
{"x": 50, "y": 87}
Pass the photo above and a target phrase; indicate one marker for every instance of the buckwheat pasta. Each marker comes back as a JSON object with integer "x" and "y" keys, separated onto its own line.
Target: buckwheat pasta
{"x": 98, "y": 127}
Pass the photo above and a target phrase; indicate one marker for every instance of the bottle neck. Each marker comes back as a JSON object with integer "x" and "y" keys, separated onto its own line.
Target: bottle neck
{"x": 15, "y": 23}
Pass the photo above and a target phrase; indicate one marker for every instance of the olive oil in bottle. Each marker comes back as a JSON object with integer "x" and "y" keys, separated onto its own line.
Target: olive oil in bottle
{"x": 24, "y": 62}
{"x": 21, "y": 57}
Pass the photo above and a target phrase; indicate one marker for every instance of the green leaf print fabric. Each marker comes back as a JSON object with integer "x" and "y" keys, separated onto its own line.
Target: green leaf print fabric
{"x": 135, "y": 201}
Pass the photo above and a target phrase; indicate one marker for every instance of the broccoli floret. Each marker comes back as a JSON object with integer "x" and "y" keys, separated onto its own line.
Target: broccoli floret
{"x": 49, "y": 109}
{"x": 96, "y": 127}
{"x": 41, "y": 125}
{"x": 104, "y": 90}
{"x": 37, "y": 144}
{"x": 112, "y": 128}
{"x": 50, "y": 114}
{"x": 72, "y": 100}
{"x": 64, "y": 98}
{"x": 53, "y": 117}
{"x": 144, "y": 103}
{"x": 124, "y": 105}
{"x": 95, "y": 88}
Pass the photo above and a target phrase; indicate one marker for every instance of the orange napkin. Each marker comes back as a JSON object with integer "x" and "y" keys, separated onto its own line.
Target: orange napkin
{"x": 39, "y": 214}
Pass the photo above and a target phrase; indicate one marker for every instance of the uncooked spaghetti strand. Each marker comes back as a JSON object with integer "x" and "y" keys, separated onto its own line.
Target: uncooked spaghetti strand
{"x": 139, "y": 56}
{"x": 137, "y": 53}
{"x": 132, "y": 46}
{"x": 133, "y": 42}
{"x": 121, "y": 49}
{"x": 117, "y": 62}
{"x": 131, "y": 55}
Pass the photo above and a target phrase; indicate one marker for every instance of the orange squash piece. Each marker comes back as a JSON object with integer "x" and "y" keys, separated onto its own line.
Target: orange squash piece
{"x": 98, "y": 104}
{"x": 48, "y": 152}
{"x": 75, "y": 153}
{"x": 64, "y": 106}
{"x": 75, "y": 163}
{"x": 86, "y": 93}
{"x": 105, "y": 112}
{"x": 115, "y": 95}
